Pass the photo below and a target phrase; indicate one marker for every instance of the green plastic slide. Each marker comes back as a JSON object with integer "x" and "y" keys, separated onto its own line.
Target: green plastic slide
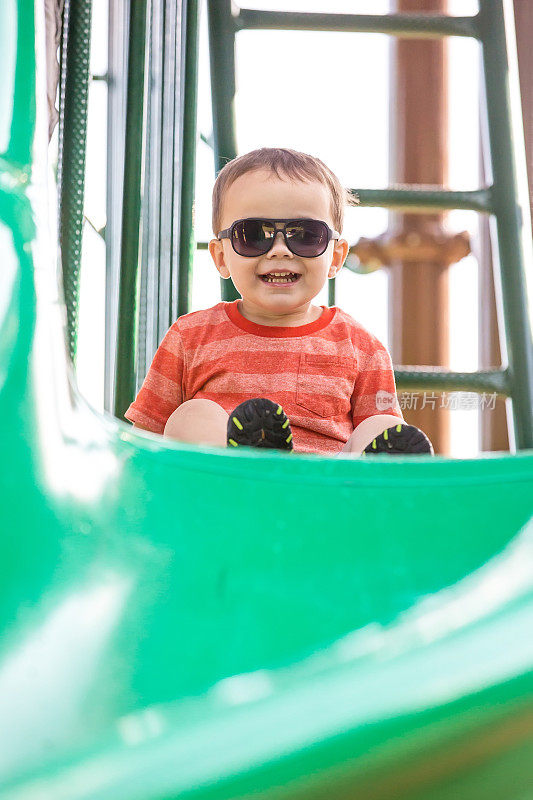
{"x": 186, "y": 622}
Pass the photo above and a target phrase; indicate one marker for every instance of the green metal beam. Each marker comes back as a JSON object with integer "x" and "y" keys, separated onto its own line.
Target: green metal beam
{"x": 424, "y": 200}
{"x": 487, "y": 380}
{"x": 412, "y": 26}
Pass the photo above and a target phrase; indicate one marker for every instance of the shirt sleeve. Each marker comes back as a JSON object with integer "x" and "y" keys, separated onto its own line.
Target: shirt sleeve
{"x": 375, "y": 388}
{"x": 162, "y": 389}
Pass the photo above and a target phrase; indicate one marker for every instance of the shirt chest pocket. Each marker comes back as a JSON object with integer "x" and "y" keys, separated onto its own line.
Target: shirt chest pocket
{"x": 325, "y": 383}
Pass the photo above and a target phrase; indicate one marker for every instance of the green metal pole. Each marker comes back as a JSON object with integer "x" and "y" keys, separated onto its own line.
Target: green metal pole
{"x": 222, "y": 61}
{"x": 511, "y": 208}
{"x": 17, "y": 157}
{"x": 187, "y": 241}
{"x": 72, "y": 144}
{"x": 331, "y": 292}
{"x": 131, "y": 211}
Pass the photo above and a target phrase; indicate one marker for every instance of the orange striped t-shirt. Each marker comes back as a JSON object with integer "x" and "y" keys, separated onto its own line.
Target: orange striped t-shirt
{"x": 328, "y": 375}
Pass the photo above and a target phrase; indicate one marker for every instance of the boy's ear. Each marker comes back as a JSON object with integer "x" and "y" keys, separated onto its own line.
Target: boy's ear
{"x": 217, "y": 254}
{"x": 340, "y": 252}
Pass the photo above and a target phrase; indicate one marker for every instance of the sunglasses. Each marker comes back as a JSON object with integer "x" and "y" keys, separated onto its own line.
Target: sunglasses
{"x": 307, "y": 238}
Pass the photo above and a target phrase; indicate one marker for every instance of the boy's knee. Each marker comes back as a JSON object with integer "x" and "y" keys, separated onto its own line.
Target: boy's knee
{"x": 367, "y": 430}
{"x": 201, "y": 406}
{"x": 199, "y": 421}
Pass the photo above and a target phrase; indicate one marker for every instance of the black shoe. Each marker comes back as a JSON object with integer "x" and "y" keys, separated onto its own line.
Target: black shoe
{"x": 259, "y": 423}
{"x": 401, "y": 439}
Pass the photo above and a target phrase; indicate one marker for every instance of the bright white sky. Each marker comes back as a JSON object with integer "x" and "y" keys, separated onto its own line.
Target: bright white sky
{"x": 350, "y": 134}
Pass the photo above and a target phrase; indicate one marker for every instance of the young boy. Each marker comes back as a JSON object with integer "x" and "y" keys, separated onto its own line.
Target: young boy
{"x": 225, "y": 375}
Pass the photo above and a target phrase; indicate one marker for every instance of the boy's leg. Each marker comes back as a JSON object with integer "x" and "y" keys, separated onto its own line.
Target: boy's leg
{"x": 199, "y": 421}
{"x": 367, "y": 430}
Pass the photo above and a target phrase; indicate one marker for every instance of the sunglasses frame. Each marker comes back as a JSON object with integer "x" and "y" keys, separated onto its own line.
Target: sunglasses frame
{"x": 279, "y": 225}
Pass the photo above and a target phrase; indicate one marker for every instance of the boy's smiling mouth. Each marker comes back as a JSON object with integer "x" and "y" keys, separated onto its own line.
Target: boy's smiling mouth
{"x": 280, "y": 278}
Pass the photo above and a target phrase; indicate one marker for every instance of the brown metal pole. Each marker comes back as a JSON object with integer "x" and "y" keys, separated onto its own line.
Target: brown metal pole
{"x": 418, "y": 298}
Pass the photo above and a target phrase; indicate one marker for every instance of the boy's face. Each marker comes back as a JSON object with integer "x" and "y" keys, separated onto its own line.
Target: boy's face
{"x": 262, "y": 194}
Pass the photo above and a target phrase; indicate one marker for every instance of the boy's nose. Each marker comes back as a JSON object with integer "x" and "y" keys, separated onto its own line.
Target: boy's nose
{"x": 279, "y": 247}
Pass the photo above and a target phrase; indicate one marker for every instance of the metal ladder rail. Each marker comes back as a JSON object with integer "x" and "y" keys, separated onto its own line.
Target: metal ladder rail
{"x": 73, "y": 108}
{"x": 504, "y": 199}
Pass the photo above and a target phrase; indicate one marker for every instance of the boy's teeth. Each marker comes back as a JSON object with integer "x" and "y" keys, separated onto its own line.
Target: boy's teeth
{"x": 280, "y": 277}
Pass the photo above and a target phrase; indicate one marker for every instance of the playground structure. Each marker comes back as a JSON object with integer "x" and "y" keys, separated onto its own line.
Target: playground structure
{"x": 165, "y": 631}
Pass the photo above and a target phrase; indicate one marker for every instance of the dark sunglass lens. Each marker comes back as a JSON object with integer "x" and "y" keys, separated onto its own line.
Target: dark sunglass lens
{"x": 308, "y": 238}
{"x": 252, "y": 237}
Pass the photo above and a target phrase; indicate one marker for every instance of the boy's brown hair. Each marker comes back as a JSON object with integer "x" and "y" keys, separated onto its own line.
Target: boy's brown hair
{"x": 284, "y": 163}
